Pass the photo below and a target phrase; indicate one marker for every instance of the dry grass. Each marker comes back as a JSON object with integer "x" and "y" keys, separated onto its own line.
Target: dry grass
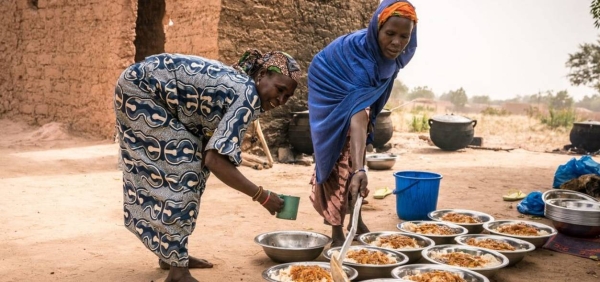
{"x": 514, "y": 131}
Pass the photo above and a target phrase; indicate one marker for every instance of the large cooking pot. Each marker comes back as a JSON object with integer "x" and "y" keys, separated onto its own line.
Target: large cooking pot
{"x": 451, "y": 132}
{"x": 299, "y": 131}
{"x": 586, "y": 135}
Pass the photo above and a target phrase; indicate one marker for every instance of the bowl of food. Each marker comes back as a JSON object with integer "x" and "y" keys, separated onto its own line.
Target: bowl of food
{"x": 304, "y": 271}
{"x": 386, "y": 280}
{"x": 436, "y": 272}
{"x": 514, "y": 249}
{"x": 381, "y": 161}
{"x": 292, "y": 246}
{"x": 535, "y": 233}
{"x": 483, "y": 261}
{"x": 409, "y": 244}
{"x": 440, "y": 232}
{"x": 471, "y": 220}
{"x": 370, "y": 262}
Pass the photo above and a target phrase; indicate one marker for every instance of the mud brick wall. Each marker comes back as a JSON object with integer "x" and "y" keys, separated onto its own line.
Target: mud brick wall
{"x": 63, "y": 57}
{"x": 298, "y": 27}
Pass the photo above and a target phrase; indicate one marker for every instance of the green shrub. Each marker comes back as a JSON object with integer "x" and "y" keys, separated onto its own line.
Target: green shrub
{"x": 491, "y": 111}
{"x": 559, "y": 118}
{"x": 419, "y": 124}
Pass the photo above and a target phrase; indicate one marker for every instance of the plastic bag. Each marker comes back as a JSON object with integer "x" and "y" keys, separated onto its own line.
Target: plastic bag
{"x": 575, "y": 168}
{"x": 532, "y": 204}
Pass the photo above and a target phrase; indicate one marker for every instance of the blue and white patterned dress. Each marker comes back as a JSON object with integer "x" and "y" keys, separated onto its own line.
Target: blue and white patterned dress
{"x": 169, "y": 109}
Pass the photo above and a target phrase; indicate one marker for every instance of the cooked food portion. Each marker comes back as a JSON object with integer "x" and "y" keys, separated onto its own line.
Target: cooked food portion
{"x": 521, "y": 229}
{"x": 429, "y": 229}
{"x": 491, "y": 244}
{"x": 364, "y": 256}
{"x": 460, "y": 218}
{"x": 304, "y": 273}
{"x": 395, "y": 242}
{"x": 436, "y": 276}
{"x": 465, "y": 260}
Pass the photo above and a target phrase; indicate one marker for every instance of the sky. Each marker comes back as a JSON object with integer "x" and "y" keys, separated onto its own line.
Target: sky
{"x": 498, "y": 48}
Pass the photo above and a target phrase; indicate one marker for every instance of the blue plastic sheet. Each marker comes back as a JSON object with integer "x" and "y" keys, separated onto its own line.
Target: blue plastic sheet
{"x": 532, "y": 204}
{"x": 575, "y": 168}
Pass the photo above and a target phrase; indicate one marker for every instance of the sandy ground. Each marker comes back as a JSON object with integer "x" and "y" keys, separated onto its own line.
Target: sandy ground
{"x": 62, "y": 210}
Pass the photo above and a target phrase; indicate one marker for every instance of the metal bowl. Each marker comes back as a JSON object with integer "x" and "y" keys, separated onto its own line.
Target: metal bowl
{"x": 537, "y": 241}
{"x": 438, "y": 239}
{"x": 473, "y": 228}
{"x": 371, "y": 271}
{"x": 386, "y": 280}
{"x": 271, "y": 273}
{"x": 576, "y": 230}
{"x": 413, "y": 254}
{"x": 381, "y": 161}
{"x": 292, "y": 246}
{"x": 486, "y": 271}
{"x": 566, "y": 194}
{"x": 522, "y": 247}
{"x": 415, "y": 269}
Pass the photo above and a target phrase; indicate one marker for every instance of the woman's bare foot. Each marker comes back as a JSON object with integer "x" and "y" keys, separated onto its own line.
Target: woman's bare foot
{"x": 180, "y": 274}
{"x": 193, "y": 263}
{"x": 337, "y": 236}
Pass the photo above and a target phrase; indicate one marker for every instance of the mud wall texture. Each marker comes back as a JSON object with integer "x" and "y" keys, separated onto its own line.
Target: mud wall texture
{"x": 298, "y": 27}
{"x": 63, "y": 57}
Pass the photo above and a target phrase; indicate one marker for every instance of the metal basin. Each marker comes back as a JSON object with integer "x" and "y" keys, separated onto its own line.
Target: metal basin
{"x": 371, "y": 271}
{"x": 271, "y": 273}
{"x": 486, "y": 271}
{"x": 521, "y": 247}
{"x": 413, "y": 254}
{"x": 473, "y": 228}
{"x": 576, "y": 230}
{"x": 415, "y": 269}
{"x": 292, "y": 246}
{"x": 381, "y": 161}
{"x": 566, "y": 194}
{"x": 537, "y": 241}
{"x": 438, "y": 239}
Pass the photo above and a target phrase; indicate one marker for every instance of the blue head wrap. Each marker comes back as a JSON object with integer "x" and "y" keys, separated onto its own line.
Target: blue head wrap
{"x": 344, "y": 78}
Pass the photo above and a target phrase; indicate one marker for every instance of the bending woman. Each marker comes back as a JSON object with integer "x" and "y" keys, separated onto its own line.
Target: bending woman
{"x": 349, "y": 82}
{"x": 179, "y": 118}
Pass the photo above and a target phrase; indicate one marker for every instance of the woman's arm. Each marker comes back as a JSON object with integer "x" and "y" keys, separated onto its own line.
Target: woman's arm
{"x": 225, "y": 171}
{"x": 358, "y": 140}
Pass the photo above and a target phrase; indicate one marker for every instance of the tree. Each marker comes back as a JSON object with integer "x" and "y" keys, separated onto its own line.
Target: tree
{"x": 459, "y": 98}
{"x": 399, "y": 91}
{"x": 595, "y": 11}
{"x": 421, "y": 92}
{"x": 562, "y": 100}
{"x": 584, "y": 65}
{"x": 481, "y": 99}
{"x": 591, "y": 103}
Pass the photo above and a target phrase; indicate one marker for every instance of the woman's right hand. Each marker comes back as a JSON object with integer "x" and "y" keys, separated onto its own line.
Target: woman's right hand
{"x": 274, "y": 204}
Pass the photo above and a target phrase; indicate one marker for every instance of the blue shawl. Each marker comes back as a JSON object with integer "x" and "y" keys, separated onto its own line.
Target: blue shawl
{"x": 344, "y": 78}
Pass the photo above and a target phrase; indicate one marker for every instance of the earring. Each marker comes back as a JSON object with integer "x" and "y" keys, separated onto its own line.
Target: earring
{"x": 257, "y": 83}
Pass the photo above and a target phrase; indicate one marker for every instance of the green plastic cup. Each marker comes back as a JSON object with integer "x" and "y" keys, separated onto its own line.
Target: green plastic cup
{"x": 290, "y": 207}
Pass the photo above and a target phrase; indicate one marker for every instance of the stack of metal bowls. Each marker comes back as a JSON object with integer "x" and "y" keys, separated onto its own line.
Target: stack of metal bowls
{"x": 572, "y": 213}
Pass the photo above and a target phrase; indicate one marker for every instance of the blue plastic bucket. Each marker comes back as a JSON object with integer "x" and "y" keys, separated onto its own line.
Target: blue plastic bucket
{"x": 416, "y": 194}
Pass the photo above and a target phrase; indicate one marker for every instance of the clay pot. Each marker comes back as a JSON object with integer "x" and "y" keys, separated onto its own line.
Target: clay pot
{"x": 300, "y": 139}
{"x": 451, "y": 132}
{"x": 586, "y": 135}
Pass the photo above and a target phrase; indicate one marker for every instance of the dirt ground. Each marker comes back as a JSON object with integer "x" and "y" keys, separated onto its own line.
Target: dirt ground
{"x": 62, "y": 214}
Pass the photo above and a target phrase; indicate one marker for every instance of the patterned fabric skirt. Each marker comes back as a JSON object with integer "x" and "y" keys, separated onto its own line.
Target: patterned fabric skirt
{"x": 162, "y": 175}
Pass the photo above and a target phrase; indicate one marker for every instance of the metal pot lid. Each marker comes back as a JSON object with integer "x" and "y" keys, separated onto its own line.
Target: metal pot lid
{"x": 451, "y": 119}
{"x": 589, "y": 122}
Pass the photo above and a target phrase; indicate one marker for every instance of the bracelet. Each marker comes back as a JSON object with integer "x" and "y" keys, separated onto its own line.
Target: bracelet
{"x": 267, "y": 199}
{"x": 359, "y": 170}
{"x": 258, "y": 193}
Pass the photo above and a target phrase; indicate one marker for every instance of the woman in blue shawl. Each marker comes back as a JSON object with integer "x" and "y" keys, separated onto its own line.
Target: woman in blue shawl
{"x": 349, "y": 82}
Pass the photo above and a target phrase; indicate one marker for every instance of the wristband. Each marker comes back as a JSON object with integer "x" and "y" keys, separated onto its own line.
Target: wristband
{"x": 267, "y": 199}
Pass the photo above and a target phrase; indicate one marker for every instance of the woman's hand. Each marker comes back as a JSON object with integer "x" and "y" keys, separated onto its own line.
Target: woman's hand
{"x": 271, "y": 201}
{"x": 358, "y": 183}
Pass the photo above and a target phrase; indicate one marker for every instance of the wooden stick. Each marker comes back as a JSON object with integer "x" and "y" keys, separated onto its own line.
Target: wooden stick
{"x": 491, "y": 148}
{"x": 263, "y": 142}
{"x": 251, "y": 163}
